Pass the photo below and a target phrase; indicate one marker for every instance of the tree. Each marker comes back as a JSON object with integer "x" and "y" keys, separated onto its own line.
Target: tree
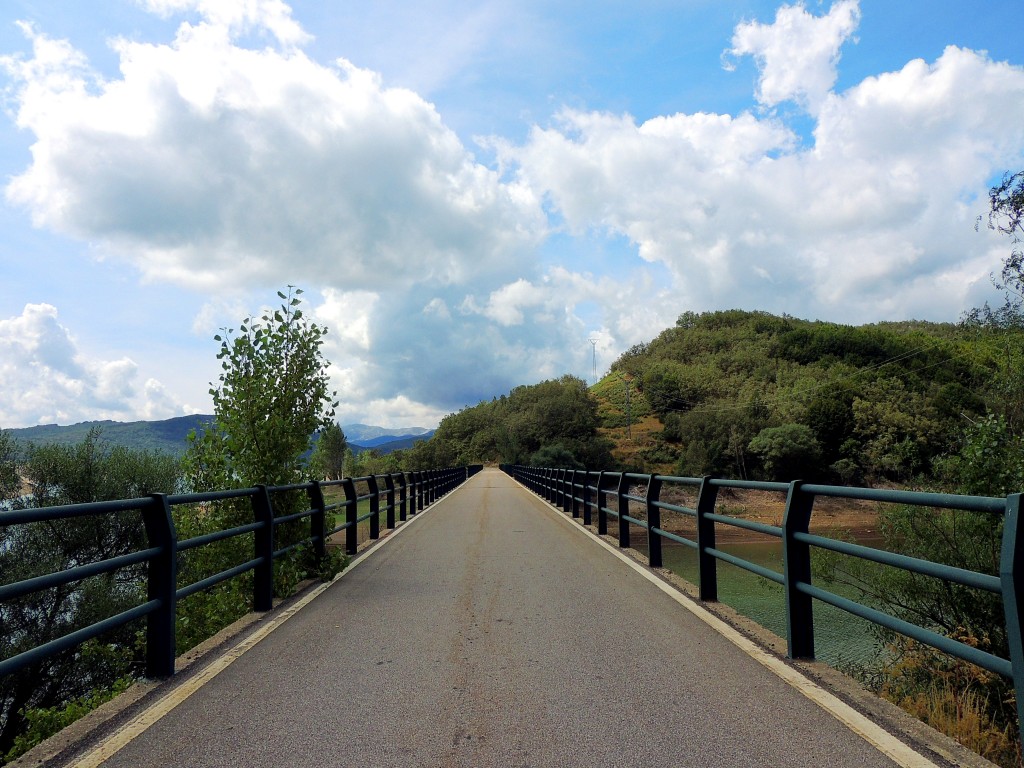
{"x": 555, "y": 456}
{"x": 274, "y": 394}
{"x": 10, "y": 482}
{"x": 73, "y": 474}
{"x": 1006, "y": 215}
{"x": 788, "y": 451}
{"x": 899, "y": 429}
{"x": 329, "y": 455}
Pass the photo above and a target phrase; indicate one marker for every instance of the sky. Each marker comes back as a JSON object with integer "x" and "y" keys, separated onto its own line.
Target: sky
{"x": 477, "y": 195}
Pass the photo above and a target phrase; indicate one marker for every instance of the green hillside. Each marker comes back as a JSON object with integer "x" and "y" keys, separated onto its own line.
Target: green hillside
{"x": 750, "y": 394}
{"x": 167, "y": 436}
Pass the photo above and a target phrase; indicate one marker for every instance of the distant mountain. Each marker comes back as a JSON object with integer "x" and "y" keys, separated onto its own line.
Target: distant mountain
{"x": 366, "y": 435}
{"x": 168, "y": 436}
{"x": 397, "y": 438}
{"x": 388, "y": 444}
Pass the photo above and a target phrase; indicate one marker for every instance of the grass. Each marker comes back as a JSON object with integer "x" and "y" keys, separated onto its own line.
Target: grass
{"x": 335, "y": 494}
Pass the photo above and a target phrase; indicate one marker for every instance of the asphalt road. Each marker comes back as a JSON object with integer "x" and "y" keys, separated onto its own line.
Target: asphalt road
{"x": 490, "y": 633}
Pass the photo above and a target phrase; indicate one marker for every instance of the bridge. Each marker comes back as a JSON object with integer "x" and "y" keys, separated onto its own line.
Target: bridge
{"x": 492, "y": 629}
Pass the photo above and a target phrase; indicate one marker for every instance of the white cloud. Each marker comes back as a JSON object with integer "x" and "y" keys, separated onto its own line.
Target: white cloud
{"x": 46, "y": 379}
{"x": 238, "y": 16}
{"x": 872, "y": 218}
{"x": 797, "y": 54}
{"x": 395, "y": 412}
{"x": 208, "y": 163}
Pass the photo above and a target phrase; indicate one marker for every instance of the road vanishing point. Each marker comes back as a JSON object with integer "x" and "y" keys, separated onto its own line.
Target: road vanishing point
{"x": 491, "y": 630}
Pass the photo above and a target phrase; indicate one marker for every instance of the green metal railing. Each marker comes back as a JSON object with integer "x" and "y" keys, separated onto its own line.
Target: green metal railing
{"x": 402, "y": 493}
{"x": 586, "y": 493}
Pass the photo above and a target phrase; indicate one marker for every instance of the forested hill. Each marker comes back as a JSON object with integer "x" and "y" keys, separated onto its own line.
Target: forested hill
{"x": 750, "y": 394}
{"x": 166, "y": 436}
{"x": 171, "y": 435}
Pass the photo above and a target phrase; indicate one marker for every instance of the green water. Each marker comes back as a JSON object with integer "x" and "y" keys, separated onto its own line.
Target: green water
{"x": 839, "y": 637}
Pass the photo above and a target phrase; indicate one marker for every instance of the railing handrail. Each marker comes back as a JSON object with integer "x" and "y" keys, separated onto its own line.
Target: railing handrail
{"x": 415, "y": 490}
{"x": 586, "y": 491}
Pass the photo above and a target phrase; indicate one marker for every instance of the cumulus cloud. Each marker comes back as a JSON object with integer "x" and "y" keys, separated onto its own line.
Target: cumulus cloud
{"x": 50, "y": 381}
{"x": 797, "y": 54}
{"x": 868, "y": 222}
{"x": 206, "y": 162}
{"x": 238, "y": 16}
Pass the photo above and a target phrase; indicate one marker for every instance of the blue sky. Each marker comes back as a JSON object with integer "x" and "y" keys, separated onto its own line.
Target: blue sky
{"x": 470, "y": 192}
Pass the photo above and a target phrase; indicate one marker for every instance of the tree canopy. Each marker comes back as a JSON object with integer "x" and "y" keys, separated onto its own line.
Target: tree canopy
{"x": 554, "y": 420}
{"x": 273, "y": 395}
{"x": 882, "y": 401}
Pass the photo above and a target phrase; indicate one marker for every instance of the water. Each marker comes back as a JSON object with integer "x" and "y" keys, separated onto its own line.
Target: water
{"x": 839, "y": 637}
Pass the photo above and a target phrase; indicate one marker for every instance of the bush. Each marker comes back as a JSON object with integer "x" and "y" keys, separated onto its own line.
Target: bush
{"x": 787, "y": 452}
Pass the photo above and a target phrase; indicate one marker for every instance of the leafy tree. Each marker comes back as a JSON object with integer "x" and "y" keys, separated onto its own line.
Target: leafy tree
{"x": 671, "y": 386}
{"x": 1006, "y": 215}
{"x": 274, "y": 394}
{"x": 73, "y": 474}
{"x": 830, "y": 416}
{"x": 10, "y": 483}
{"x": 329, "y": 455}
{"x": 899, "y": 429}
{"x": 555, "y": 456}
{"x": 513, "y": 428}
{"x": 788, "y": 452}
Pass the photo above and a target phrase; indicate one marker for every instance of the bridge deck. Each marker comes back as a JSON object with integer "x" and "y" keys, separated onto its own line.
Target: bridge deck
{"x": 490, "y": 633}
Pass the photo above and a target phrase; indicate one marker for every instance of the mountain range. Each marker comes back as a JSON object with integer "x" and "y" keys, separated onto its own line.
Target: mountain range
{"x": 170, "y": 435}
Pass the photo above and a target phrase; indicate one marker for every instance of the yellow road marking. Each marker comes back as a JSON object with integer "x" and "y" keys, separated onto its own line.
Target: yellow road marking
{"x": 137, "y": 725}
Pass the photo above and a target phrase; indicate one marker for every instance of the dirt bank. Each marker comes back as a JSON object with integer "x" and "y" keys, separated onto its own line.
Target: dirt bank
{"x": 859, "y": 518}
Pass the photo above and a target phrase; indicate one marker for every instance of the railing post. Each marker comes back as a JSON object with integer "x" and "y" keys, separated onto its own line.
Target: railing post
{"x": 351, "y": 516}
{"x": 263, "y": 574}
{"x": 402, "y": 497}
{"x": 162, "y": 584}
{"x": 587, "y": 518}
{"x": 623, "y": 505}
{"x": 574, "y": 500}
{"x": 653, "y": 521}
{"x": 389, "y": 483}
{"x": 371, "y": 482}
{"x": 602, "y": 516}
{"x": 796, "y": 561}
{"x": 567, "y": 493}
{"x": 1011, "y": 577}
{"x": 707, "y": 565}
{"x": 318, "y": 520}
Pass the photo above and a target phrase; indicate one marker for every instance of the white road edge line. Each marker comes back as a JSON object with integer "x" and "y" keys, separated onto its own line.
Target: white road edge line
{"x": 141, "y": 722}
{"x": 878, "y": 737}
